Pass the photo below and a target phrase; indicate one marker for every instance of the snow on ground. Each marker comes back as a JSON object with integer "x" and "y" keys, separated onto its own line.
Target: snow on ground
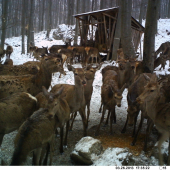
{"x": 109, "y": 157}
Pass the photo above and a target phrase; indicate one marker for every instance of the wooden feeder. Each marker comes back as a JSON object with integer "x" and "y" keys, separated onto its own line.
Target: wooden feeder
{"x": 97, "y": 29}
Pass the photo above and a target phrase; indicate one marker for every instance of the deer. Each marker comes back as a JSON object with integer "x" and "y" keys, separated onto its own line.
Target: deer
{"x": 2, "y": 53}
{"x": 37, "y": 52}
{"x": 45, "y": 99}
{"x": 38, "y": 131}
{"x": 161, "y": 61}
{"x": 8, "y": 51}
{"x": 68, "y": 53}
{"x": 111, "y": 96}
{"x": 136, "y": 88}
{"x": 30, "y": 83}
{"x": 8, "y": 62}
{"x": 55, "y": 48}
{"x": 88, "y": 89}
{"x": 80, "y": 51}
{"x": 91, "y": 52}
{"x": 157, "y": 109}
{"x": 15, "y": 109}
{"x": 74, "y": 94}
{"x": 16, "y": 70}
{"x": 162, "y": 48}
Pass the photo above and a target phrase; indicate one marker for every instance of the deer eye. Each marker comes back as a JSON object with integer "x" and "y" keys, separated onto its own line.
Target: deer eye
{"x": 76, "y": 74}
{"x": 151, "y": 90}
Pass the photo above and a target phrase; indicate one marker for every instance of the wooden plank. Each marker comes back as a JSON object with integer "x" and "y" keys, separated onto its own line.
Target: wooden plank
{"x": 80, "y": 30}
{"x": 99, "y": 33}
{"x": 109, "y": 29}
{"x": 105, "y": 28}
{"x": 111, "y": 40}
{"x": 109, "y": 16}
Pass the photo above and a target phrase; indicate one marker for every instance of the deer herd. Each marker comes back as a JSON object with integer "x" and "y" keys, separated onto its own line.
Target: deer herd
{"x": 27, "y": 104}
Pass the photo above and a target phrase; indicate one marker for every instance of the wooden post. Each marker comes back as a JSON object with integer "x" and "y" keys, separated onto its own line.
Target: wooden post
{"x": 105, "y": 28}
{"x": 116, "y": 41}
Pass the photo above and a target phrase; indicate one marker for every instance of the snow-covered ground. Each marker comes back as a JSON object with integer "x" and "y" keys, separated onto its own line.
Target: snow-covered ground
{"x": 109, "y": 157}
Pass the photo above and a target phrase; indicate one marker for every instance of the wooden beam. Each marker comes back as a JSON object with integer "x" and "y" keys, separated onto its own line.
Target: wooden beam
{"x": 109, "y": 15}
{"x": 105, "y": 28}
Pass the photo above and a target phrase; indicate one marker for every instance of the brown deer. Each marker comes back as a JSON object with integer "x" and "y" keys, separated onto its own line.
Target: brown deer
{"x": 74, "y": 94}
{"x": 91, "y": 52}
{"x": 2, "y": 53}
{"x": 136, "y": 88}
{"x": 111, "y": 96}
{"x": 37, "y": 52}
{"x": 88, "y": 89}
{"x": 38, "y": 131}
{"x": 157, "y": 110}
{"x": 46, "y": 99}
{"x": 30, "y": 83}
{"x": 8, "y": 51}
{"x": 14, "y": 111}
{"x": 162, "y": 47}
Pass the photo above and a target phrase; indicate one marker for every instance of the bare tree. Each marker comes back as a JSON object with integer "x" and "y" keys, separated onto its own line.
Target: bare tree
{"x": 149, "y": 36}
{"x": 23, "y": 27}
{"x": 142, "y": 10}
{"x": 126, "y": 38}
{"x": 49, "y": 17}
{"x": 30, "y": 37}
{"x": 4, "y": 21}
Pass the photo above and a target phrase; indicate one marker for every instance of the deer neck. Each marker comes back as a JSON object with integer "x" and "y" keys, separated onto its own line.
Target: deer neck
{"x": 79, "y": 91}
{"x": 152, "y": 107}
{"x": 44, "y": 76}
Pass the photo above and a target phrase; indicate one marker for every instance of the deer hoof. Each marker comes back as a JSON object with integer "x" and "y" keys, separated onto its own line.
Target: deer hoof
{"x": 132, "y": 144}
{"x": 97, "y": 134}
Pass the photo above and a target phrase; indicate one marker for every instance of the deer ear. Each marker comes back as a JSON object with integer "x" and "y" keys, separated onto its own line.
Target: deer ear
{"x": 123, "y": 87}
{"x": 146, "y": 77}
{"x": 59, "y": 92}
{"x": 70, "y": 68}
{"x": 45, "y": 92}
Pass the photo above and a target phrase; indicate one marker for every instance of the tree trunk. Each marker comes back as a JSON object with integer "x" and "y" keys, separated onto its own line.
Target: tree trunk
{"x": 149, "y": 36}
{"x": 4, "y": 21}
{"x": 77, "y": 25}
{"x": 49, "y": 6}
{"x": 117, "y": 36}
{"x": 142, "y": 11}
{"x": 126, "y": 38}
{"x": 30, "y": 38}
{"x": 23, "y": 27}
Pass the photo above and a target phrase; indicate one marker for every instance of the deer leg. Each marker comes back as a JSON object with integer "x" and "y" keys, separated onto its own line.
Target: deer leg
{"x": 135, "y": 121}
{"x": 83, "y": 116}
{"x": 67, "y": 128}
{"x": 73, "y": 118}
{"x": 161, "y": 140}
{"x": 1, "y": 138}
{"x": 148, "y": 131}
{"x": 61, "y": 139}
{"x": 168, "y": 162}
{"x": 107, "y": 120}
{"x": 88, "y": 112}
{"x": 42, "y": 156}
{"x": 139, "y": 128}
{"x": 101, "y": 120}
{"x": 124, "y": 128}
{"x": 114, "y": 116}
{"x": 47, "y": 149}
{"x": 52, "y": 149}
{"x": 100, "y": 109}
{"x": 111, "y": 120}
{"x": 36, "y": 157}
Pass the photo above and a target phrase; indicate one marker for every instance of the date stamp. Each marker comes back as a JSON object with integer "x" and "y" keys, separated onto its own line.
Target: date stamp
{"x": 142, "y": 168}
